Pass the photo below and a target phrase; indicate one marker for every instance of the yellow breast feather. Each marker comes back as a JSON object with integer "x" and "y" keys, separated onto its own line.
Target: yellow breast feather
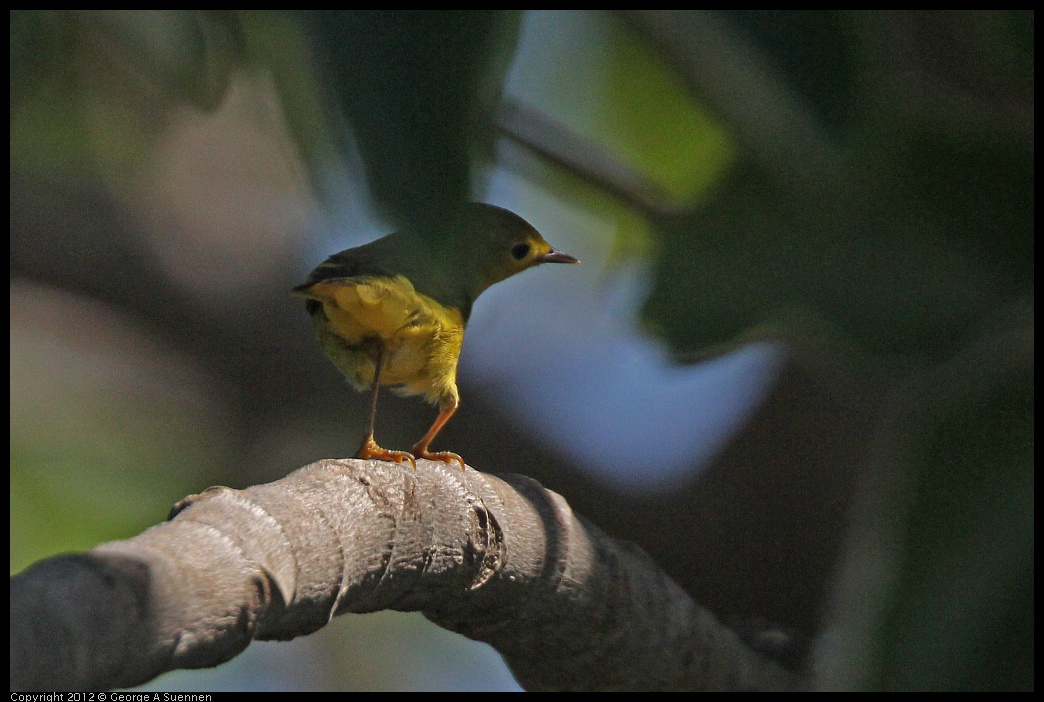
{"x": 421, "y": 339}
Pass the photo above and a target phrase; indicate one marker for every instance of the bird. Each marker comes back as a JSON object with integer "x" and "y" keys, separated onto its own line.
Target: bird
{"x": 393, "y": 312}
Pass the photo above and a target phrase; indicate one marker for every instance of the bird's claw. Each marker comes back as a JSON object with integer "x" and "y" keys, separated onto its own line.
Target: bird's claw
{"x": 444, "y": 456}
{"x": 370, "y": 449}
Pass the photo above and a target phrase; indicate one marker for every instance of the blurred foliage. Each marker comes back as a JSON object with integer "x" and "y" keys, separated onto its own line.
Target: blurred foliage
{"x": 816, "y": 52}
{"x": 927, "y": 233}
{"x": 97, "y": 410}
{"x": 962, "y": 616}
{"x": 621, "y": 97}
{"x": 416, "y": 88}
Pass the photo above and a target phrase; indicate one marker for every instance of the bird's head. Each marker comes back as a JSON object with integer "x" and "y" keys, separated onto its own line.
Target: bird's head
{"x": 496, "y": 244}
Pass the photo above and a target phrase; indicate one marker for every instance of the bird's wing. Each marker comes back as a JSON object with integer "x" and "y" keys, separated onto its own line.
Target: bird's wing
{"x": 369, "y": 305}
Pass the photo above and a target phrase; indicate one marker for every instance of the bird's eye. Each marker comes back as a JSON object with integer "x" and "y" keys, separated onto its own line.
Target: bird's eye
{"x": 520, "y": 251}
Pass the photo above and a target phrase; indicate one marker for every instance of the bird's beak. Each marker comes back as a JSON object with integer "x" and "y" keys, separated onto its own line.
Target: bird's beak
{"x": 555, "y": 256}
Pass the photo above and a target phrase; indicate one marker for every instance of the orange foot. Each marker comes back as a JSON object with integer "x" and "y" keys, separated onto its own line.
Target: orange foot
{"x": 444, "y": 456}
{"x": 370, "y": 449}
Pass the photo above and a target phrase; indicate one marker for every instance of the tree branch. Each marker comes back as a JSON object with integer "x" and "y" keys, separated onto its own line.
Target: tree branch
{"x": 498, "y": 559}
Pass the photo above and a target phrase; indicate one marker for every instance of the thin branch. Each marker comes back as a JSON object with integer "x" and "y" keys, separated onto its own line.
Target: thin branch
{"x": 500, "y": 560}
{"x": 541, "y": 133}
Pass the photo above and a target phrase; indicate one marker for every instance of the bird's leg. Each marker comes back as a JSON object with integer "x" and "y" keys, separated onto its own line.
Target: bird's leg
{"x": 369, "y": 447}
{"x": 447, "y": 407}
